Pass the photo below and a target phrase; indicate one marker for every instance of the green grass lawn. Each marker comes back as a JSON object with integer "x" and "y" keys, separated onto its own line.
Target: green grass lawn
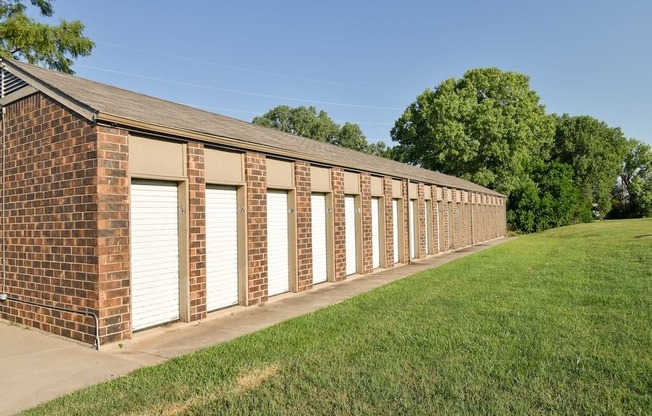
{"x": 553, "y": 323}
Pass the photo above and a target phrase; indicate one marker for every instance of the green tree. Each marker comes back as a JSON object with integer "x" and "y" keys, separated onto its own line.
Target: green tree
{"x": 21, "y": 37}
{"x": 595, "y": 152}
{"x": 486, "y": 127}
{"x": 301, "y": 121}
{"x": 632, "y": 196}
{"x": 380, "y": 149}
{"x": 548, "y": 198}
{"x": 308, "y": 122}
{"x": 351, "y": 137}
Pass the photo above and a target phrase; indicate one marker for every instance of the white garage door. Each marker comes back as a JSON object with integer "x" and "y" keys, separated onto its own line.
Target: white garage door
{"x": 278, "y": 253}
{"x": 221, "y": 247}
{"x": 319, "y": 256}
{"x": 395, "y": 229}
{"x": 439, "y": 228}
{"x": 350, "y": 234}
{"x": 411, "y": 225}
{"x": 427, "y": 214}
{"x": 154, "y": 254}
{"x": 450, "y": 225}
{"x": 375, "y": 233}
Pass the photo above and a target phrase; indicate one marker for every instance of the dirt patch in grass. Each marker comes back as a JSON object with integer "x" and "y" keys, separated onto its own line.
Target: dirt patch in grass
{"x": 255, "y": 378}
{"x": 176, "y": 409}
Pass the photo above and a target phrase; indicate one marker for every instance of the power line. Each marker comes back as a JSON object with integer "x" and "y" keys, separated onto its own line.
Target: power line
{"x": 232, "y": 91}
{"x": 238, "y": 68}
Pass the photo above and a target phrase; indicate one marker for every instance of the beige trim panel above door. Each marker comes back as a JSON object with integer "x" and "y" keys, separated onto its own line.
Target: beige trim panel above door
{"x": 223, "y": 167}
{"x": 156, "y": 158}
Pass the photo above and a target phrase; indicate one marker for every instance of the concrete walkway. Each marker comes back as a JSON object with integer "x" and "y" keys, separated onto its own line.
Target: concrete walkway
{"x": 37, "y": 367}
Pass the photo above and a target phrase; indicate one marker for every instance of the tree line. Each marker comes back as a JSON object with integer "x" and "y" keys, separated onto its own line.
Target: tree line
{"x": 488, "y": 127}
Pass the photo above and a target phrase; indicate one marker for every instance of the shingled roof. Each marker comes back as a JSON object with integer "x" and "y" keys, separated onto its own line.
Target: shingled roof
{"x": 106, "y": 104}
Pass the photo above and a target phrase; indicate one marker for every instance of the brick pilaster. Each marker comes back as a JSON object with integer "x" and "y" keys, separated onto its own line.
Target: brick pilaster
{"x": 446, "y": 219}
{"x": 469, "y": 221}
{"x": 389, "y": 222}
{"x": 435, "y": 223}
{"x": 256, "y": 180}
{"x": 472, "y": 216}
{"x": 422, "y": 250}
{"x": 456, "y": 219}
{"x": 482, "y": 218}
{"x": 304, "y": 225}
{"x": 407, "y": 233}
{"x": 494, "y": 217}
{"x": 365, "y": 217}
{"x": 197, "y": 230}
{"x": 464, "y": 218}
{"x": 339, "y": 237}
{"x": 113, "y": 244}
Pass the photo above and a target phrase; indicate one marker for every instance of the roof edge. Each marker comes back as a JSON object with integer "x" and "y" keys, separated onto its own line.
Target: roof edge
{"x": 80, "y": 108}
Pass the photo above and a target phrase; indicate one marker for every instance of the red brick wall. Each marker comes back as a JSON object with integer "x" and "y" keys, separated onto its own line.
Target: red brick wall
{"x": 256, "y": 180}
{"x": 389, "y": 222}
{"x": 304, "y": 225}
{"x": 365, "y": 217}
{"x": 339, "y": 241}
{"x": 51, "y": 217}
{"x": 113, "y": 234}
{"x": 197, "y": 230}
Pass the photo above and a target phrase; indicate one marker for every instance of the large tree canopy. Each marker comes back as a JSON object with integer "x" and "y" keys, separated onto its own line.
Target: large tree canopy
{"x": 632, "y": 196}
{"x": 595, "y": 151}
{"x": 22, "y": 37}
{"x": 308, "y": 122}
{"x": 486, "y": 127}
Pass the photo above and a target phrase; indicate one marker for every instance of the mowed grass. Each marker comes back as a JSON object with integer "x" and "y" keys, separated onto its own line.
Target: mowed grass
{"x": 554, "y": 323}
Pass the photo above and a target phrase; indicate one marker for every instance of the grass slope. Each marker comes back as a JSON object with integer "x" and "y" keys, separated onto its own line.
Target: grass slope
{"x": 552, "y": 323}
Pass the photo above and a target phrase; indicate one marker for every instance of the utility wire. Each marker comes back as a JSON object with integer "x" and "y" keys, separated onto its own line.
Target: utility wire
{"x": 238, "y": 68}
{"x": 232, "y": 91}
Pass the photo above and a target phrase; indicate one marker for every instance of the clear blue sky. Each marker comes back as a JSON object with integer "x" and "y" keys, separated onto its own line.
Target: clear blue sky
{"x": 366, "y": 61}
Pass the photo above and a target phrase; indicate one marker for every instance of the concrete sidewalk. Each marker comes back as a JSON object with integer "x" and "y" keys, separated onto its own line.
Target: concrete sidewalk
{"x": 37, "y": 367}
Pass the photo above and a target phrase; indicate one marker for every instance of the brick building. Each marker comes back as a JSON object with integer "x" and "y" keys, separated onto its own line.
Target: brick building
{"x": 121, "y": 211}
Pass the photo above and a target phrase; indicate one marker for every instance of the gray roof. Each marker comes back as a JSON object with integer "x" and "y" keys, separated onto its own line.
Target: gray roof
{"x": 101, "y": 102}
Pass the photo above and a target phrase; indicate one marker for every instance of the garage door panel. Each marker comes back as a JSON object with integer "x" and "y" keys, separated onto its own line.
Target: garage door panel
{"x": 395, "y": 229}
{"x": 375, "y": 233}
{"x": 439, "y": 228}
{"x": 154, "y": 253}
{"x": 319, "y": 239}
{"x": 278, "y": 272}
{"x": 427, "y": 215}
{"x": 411, "y": 224}
{"x": 221, "y": 247}
{"x": 350, "y": 235}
